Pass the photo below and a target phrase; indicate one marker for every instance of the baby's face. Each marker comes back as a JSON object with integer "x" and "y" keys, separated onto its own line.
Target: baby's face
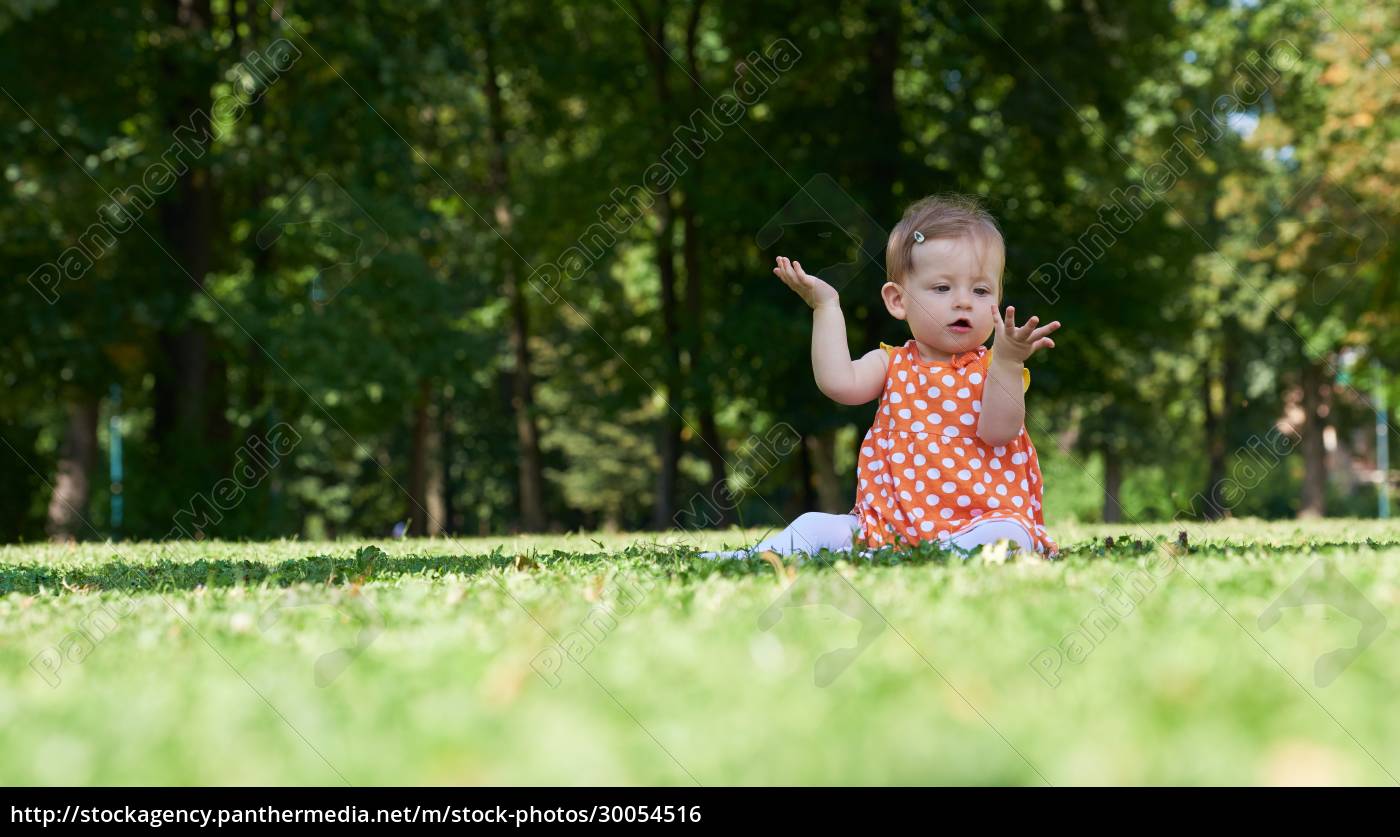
{"x": 949, "y": 295}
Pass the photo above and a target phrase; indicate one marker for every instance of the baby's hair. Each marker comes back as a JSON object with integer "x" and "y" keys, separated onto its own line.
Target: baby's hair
{"x": 936, "y": 216}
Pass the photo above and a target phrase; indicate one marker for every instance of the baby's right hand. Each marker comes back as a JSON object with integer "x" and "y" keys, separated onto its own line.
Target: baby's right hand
{"x": 813, "y": 291}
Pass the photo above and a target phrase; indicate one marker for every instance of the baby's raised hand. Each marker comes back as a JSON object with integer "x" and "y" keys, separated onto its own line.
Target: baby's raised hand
{"x": 1020, "y": 342}
{"x": 813, "y": 291}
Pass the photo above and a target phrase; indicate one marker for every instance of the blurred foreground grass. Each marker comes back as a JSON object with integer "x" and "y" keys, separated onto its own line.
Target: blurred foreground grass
{"x": 435, "y": 661}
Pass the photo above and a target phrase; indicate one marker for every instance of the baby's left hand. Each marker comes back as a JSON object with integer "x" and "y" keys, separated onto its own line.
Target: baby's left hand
{"x": 1018, "y": 343}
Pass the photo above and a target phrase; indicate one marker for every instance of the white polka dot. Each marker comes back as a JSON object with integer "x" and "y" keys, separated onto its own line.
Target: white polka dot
{"x": 935, "y": 418}
{"x": 967, "y": 419}
{"x": 987, "y": 478}
{"x": 964, "y": 393}
{"x": 926, "y": 526}
{"x": 950, "y": 431}
{"x": 964, "y": 474}
{"x": 1025, "y": 486}
{"x": 909, "y": 473}
{"x": 976, "y": 406}
{"x": 876, "y": 465}
{"x": 979, "y": 488}
{"x": 949, "y": 380}
{"x": 995, "y": 463}
{"x": 918, "y": 485}
{"x": 975, "y": 378}
{"x": 958, "y": 451}
{"x": 933, "y": 392}
{"x": 932, "y": 499}
{"x": 1010, "y": 475}
{"x": 917, "y": 511}
{"x": 999, "y": 451}
{"x": 948, "y": 462}
{"x": 895, "y": 398}
{"x": 1017, "y": 501}
{"x": 974, "y": 464}
{"x": 869, "y": 498}
{"x": 905, "y": 496}
{"x": 920, "y": 403}
{"x": 917, "y": 427}
{"x": 993, "y": 502}
{"x": 964, "y": 501}
{"x": 903, "y": 375}
{"x": 1001, "y": 489}
{"x": 949, "y": 487}
{"x": 904, "y": 414}
{"x": 933, "y": 473}
{"x": 863, "y": 481}
{"x": 898, "y": 515}
{"x": 950, "y": 405}
{"x": 909, "y": 388}
{"x": 1018, "y": 458}
{"x": 946, "y": 513}
{"x": 919, "y": 459}
{"x": 867, "y": 451}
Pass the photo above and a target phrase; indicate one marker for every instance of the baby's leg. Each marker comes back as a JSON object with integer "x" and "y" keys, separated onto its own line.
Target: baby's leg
{"x": 991, "y": 532}
{"x": 810, "y": 533}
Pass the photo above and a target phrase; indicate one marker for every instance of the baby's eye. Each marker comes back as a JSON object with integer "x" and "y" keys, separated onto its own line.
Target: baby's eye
{"x": 941, "y": 288}
{"x": 981, "y": 291}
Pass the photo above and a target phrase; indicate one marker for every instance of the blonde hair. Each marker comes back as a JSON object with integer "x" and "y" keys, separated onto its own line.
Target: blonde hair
{"x": 934, "y": 217}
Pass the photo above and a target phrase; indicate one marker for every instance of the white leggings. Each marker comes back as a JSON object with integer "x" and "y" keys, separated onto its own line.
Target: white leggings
{"x": 815, "y": 531}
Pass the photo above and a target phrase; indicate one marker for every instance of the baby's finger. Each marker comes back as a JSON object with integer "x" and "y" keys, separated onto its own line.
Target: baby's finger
{"x": 1010, "y": 318}
{"x": 1028, "y": 327}
{"x": 786, "y": 265}
{"x": 1044, "y": 330}
{"x": 1045, "y": 343}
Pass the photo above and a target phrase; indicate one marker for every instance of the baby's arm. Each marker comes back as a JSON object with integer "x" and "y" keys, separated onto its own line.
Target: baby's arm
{"x": 838, "y": 377}
{"x": 1003, "y": 399}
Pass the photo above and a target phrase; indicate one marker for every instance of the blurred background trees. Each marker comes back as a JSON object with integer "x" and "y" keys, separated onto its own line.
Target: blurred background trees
{"x": 227, "y": 216}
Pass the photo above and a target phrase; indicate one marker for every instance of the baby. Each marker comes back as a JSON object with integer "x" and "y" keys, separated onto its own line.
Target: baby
{"x": 948, "y": 457}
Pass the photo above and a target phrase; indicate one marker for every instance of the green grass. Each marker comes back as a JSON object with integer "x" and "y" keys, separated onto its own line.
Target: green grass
{"x": 204, "y": 676}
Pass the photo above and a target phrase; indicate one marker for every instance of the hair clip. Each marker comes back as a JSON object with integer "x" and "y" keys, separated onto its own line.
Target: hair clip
{"x": 918, "y": 237}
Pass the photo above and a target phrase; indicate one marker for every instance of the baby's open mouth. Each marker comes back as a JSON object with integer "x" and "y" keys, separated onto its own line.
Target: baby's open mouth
{"x": 960, "y": 325}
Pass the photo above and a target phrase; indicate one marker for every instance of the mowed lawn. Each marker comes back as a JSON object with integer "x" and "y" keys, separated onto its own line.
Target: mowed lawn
{"x": 623, "y": 659}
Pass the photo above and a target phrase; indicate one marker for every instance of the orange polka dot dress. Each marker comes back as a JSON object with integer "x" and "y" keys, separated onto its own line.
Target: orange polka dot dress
{"x": 923, "y": 474}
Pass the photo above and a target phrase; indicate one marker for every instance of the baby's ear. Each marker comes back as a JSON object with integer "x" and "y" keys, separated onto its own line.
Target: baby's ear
{"x": 894, "y": 300}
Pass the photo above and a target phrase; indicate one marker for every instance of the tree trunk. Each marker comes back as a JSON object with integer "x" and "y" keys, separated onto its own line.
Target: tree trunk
{"x": 451, "y": 516}
{"x": 1314, "y": 496}
{"x": 669, "y": 433}
{"x": 425, "y": 473}
{"x": 804, "y": 473}
{"x": 185, "y": 412}
{"x": 1214, "y": 427}
{"x": 1112, "y": 485}
{"x": 67, "y": 516}
{"x": 530, "y": 473}
{"x": 884, "y": 133}
{"x": 830, "y": 494}
{"x": 701, "y": 363}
